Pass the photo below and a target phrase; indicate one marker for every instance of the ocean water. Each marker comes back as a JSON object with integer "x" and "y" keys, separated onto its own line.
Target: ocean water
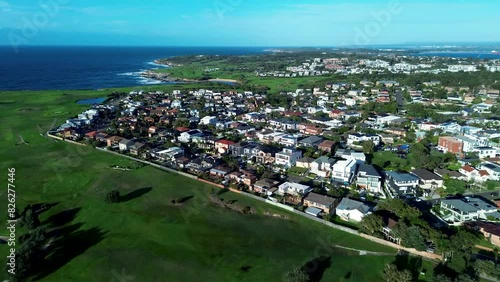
{"x": 41, "y": 68}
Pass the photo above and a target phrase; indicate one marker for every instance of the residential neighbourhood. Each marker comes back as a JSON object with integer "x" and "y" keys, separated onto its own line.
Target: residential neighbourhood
{"x": 337, "y": 160}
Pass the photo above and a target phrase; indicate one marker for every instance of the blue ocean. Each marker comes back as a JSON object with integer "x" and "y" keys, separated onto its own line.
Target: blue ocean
{"x": 41, "y": 68}
{"x": 68, "y": 67}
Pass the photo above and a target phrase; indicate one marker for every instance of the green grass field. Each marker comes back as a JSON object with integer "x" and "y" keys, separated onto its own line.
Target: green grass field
{"x": 146, "y": 238}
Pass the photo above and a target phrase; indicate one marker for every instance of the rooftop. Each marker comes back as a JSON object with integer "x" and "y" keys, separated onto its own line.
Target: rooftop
{"x": 348, "y": 204}
{"x": 426, "y": 175}
{"x": 399, "y": 176}
{"x": 320, "y": 199}
{"x": 469, "y": 204}
{"x": 369, "y": 170}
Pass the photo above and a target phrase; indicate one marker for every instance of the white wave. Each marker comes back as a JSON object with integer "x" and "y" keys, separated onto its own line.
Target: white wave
{"x": 131, "y": 73}
{"x": 157, "y": 65}
{"x": 148, "y": 81}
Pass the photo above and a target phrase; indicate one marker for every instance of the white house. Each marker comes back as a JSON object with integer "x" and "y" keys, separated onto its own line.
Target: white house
{"x": 485, "y": 152}
{"x": 288, "y": 140}
{"x": 458, "y": 211}
{"x": 169, "y": 154}
{"x": 344, "y": 171}
{"x": 322, "y": 166}
{"x": 471, "y": 174}
{"x": 125, "y": 144}
{"x": 293, "y": 189}
{"x": 187, "y": 136}
{"x": 358, "y": 138}
{"x": 369, "y": 179}
{"x": 469, "y": 143}
{"x": 288, "y": 157}
{"x": 208, "y": 120}
{"x": 176, "y": 104}
{"x": 399, "y": 183}
{"x": 350, "y": 102}
{"x": 492, "y": 169}
{"x": 352, "y": 210}
{"x": 450, "y": 127}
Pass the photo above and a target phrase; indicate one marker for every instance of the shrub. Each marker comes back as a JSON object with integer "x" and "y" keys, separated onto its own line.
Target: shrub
{"x": 112, "y": 197}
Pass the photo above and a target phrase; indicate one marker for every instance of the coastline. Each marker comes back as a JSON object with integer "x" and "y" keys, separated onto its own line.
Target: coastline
{"x": 165, "y": 77}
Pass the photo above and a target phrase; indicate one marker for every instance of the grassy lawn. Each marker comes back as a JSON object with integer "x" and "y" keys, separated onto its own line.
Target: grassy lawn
{"x": 146, "y": 237}
{"x": 297, "y": 170}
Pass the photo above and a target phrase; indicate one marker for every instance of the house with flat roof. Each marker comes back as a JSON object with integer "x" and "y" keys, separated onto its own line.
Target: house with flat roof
{"x": 492, "y": 169}
{"x": 288, "y": 157}
{"x": 294, "y": 189}
{"x": 429, "y": 181}
{"x": 458, "y": 211}
{"x": 485, "y": 152}
{"x": 399, "y": 183}
{"x": 266, "y": 186}
{"x": 369, "y": 179}
{"x": 344, "y": 171}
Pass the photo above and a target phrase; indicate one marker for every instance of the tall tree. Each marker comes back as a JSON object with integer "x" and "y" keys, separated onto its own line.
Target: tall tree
{"x": 392, "y": 274}
{"x": 296, "y": 275}
{"x": 368, "y": 147}
{"x": 371, "y": 224}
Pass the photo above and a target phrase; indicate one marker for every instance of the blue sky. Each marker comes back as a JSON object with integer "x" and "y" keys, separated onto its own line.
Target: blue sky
{"x": 246, "y": 22}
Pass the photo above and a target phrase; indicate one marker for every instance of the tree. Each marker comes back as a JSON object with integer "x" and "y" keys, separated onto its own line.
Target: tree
{"x": 368, "y": 147}
{"x": 31, "y": 220}
{"x": 401, "y": 209}
{"x": 30, "y": 253}
{"x": 392, "y": 274}
{"x": 419, "y": 155}
{"x": 487, "y": 267}
{"x": 410, "y": 236}
{"x": 371, "y": 224}
{"x": 296, "y": 275}
{"x": 112, "y": 197}
{"x": 338, "y": 192}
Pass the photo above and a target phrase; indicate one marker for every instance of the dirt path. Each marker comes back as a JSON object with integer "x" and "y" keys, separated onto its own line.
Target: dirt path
{"x": 364, "y": 253}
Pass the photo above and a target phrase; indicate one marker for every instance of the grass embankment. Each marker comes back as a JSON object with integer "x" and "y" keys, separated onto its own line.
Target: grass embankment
{"x": 145, "y": 236}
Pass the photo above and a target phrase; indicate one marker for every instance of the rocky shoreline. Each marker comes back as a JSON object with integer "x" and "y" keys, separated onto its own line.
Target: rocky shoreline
{"x": 166, "y": 77}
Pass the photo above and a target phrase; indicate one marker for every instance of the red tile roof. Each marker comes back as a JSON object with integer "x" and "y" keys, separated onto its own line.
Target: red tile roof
{"x": 225, "y": 142}
{"x": 483, "y": 173}
{"x": 468, "y": 168}
{"x": 91, "y": 134}
{"x": 182, "y": 129}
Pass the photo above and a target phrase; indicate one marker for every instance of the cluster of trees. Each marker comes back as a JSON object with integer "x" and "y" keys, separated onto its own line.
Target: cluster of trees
{"x": 456, "y": 245}
{"x": 30, "y": 246}
{"x": 421, "y": 157}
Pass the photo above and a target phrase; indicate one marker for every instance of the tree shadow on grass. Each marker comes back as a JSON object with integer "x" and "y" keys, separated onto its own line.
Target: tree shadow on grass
{"x": 406, "y": 262}
{"x": 222, "y": 191}
{"x": 135, "y": 194}
{"x": 182, "y": 200}
{"x": 348, "y": 275}
{"x": 62, "y": 218}
{"x": 185, "y": 199}
{"x": 316, "y": 268}
{"x": 67, "y": 245}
